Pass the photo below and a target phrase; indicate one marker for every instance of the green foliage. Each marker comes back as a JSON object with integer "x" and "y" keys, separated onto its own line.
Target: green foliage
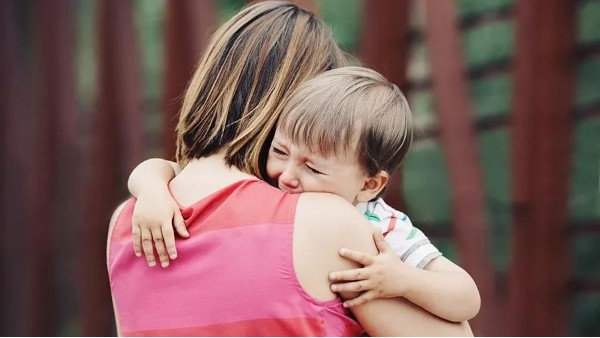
{"x": 489, "y": 43}
{"x": 491, "y": 96}
{"x": 426, "y": 186}
{"x": 584, "y": 315}
{"x": 588, "y": 22}
{"x": 585, "y": 250}
{"x": 474, "y": 7}
{"x": 421, "y": 106}
{"x": 343, "y": 16}
{"x": 494, "y": 153}
{"x": 447, "y": 247}
{"x": 228, "y": 8}
{"x": 584, "y": 200}
{"x": 85, "y": 54}
{"x": 588, "y": 82}
{"x": 150, "y": 21}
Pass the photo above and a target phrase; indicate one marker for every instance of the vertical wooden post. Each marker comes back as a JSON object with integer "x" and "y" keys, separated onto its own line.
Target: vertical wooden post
{"x": 384, "y": 47}
{"x": 54, "y": 126}
{"x": 541, "y": 147}
{"x": 15, "y": 147}
{"x": 459, "y": 144}
{"x": 188, "y": 28}
{"x": 111, "y": 157}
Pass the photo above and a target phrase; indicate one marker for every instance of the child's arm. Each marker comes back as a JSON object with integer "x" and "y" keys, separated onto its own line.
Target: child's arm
{"x": 443, "y": 288}
{"x": 156, "y": 213}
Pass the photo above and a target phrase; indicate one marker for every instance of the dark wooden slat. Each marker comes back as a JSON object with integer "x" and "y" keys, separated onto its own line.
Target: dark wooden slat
{"x": 188, "y": 27}
{"x": 459, "y": 145}
{"x": 384, "y": 48}
{"x": 115, "y": 148}
{"x": 541, "y": 151}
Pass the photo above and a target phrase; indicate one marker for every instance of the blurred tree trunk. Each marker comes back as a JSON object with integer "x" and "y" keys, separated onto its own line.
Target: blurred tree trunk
{"x": 115, "y": 149}
{"x": 188, "y": 28}
{"x": 384, "y": 47}
{"x": 459, "y": 144}
{"x": 541, "y": 153}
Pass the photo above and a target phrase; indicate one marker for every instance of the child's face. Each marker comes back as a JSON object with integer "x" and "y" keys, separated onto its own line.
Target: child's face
{"x": 294, "y": 169}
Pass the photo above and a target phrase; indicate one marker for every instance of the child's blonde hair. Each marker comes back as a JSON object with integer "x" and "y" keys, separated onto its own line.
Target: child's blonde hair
{"x": 351, "y": 107}
{"x": 250, "y": 66}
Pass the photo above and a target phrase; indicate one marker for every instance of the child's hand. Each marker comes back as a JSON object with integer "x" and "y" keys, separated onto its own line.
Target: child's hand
{"x": 381, "y": 276}
{"x": 154, "y": 216}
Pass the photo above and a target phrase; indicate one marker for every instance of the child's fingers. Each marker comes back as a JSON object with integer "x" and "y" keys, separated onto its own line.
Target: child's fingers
{"x": 348, "y": 275}
{"x": 357, "y": 256}
{"x": 381, "y": 243}
{"x": 147, "y": 246}
{"x": 363, "y": 298}
{"x": 169, "y": 238}
{"x": 180, "y": 224}
{"x": 357, "y": 286}
{"x": 157, "y": 236}
{"x": 136, "y": 235}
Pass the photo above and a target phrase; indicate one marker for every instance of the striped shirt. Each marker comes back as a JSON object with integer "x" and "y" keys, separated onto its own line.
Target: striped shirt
{"x": 408, "y": 242}
{"x": 234, "y": 276}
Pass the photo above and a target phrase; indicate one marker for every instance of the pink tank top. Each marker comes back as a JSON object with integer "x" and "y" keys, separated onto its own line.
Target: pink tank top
{"x": 233, "y": 277}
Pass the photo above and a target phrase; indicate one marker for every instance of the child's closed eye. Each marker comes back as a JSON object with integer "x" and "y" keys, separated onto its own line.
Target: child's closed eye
{"x": 313, "y": 170}
{"x": 278, "y": 151}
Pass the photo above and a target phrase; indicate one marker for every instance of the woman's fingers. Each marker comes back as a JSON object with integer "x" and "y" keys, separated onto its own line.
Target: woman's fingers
{"x": 357, "y": 256}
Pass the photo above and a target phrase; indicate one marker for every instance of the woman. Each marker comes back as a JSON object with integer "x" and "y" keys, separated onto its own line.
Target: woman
{"x": 258, "y": 260}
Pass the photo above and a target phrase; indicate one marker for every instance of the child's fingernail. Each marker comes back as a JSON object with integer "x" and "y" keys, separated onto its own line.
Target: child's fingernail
{"x": 173, "y": 256}
{"x": 332, "y": 276}
{"x": 138, "y": 254}
{"x": 343, "y": 251}
{"x": 164, "y": 264}
{"x": 345, "y": 305}
{"x": 151, "y": 264}
{"x": 334, "y": 288}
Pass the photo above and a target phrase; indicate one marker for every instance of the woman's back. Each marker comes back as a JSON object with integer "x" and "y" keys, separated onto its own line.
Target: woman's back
{"x": 234, "y": 276}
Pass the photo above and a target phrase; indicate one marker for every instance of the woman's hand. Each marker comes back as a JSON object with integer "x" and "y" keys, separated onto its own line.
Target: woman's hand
{"x": 383, "y": 276}
{"x": 155, "y": 215}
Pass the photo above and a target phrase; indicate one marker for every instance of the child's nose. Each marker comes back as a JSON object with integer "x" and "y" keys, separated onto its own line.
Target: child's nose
{"x": 289, "y": 179}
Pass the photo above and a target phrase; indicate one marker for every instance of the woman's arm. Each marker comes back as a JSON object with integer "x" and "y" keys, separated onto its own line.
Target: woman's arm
{"x": 156, "y": 213}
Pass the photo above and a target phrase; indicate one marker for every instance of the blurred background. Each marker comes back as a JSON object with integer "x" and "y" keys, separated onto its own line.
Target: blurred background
{"x": 504, "y": 175}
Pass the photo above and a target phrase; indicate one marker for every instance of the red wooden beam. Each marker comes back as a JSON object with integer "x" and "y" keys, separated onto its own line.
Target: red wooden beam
{"x": 384, "y": 47}
{"x": 115, "y": 149}
{"x": 189, "y": 25}
{"x": 541, "y": 153}
{"x": 459, "y": 145}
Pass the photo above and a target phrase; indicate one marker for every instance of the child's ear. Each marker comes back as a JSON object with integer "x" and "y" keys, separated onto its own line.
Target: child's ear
{"x": 373, "y": 185}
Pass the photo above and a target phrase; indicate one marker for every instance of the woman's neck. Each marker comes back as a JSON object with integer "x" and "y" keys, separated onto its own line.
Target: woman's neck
{"x": 201, "y": 177}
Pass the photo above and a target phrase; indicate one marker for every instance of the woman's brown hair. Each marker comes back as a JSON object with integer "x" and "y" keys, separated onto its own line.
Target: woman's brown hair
{"x": 252, "y": 63}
